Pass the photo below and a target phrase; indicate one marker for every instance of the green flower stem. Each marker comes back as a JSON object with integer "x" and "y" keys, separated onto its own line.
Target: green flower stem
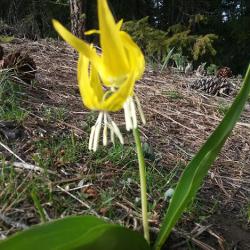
{"x": 142, "y": 172}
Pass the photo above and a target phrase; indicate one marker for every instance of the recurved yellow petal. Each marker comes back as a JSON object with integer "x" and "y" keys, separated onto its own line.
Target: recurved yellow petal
{"x": 95, "y": 83}
{"x": 136, "y": 58}
{"x": 114, "y": 56}
{"x": 91, "y": 32}
{"x": 90, "y": 86}
{"x": 119, "y": 24}
{"x": 78, "y": 44}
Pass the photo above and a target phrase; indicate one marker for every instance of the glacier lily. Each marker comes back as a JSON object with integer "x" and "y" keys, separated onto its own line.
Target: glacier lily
{"x": 106, "y": 81}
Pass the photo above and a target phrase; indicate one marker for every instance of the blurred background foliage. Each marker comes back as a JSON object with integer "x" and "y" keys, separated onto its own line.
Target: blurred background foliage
{"x": 215, "y": 31}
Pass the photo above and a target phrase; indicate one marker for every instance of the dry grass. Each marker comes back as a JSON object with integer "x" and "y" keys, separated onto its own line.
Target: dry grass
{"x": 179, "y": 120}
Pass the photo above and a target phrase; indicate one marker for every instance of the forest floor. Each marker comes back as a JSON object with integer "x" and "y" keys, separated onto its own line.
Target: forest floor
{"x": 67, "y": 179}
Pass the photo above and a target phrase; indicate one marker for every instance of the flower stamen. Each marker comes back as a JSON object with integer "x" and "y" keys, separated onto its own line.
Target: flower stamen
{"x": 95, "y": 133}
{"x": 130, "y": 113}
{"x": 105, "y": 120}
{"x": 141, "y": 113}
{"x": 127, "y": 113}
{"x": 133, "y": 112}
{"x": 105, "y": 130}
{"x": 91, "y": 137}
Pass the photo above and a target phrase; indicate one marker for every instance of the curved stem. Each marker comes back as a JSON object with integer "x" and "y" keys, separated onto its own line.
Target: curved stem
{"x": 143, "y": 185}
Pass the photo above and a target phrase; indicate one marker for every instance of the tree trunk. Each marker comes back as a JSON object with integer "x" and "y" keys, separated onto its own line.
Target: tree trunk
{"x": 77, "y": 18}
{"x": 38, "y": 17}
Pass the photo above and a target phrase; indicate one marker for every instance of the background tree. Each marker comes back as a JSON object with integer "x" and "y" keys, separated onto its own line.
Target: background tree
{"x": 77, "y": 17}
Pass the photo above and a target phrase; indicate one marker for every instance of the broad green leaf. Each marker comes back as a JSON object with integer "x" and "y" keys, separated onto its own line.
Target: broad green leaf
{"x": 197, "y": 169}
{"x": 53, "y": 235}
{"x": 73, "y": 233}
{"x": 111, "y": 237}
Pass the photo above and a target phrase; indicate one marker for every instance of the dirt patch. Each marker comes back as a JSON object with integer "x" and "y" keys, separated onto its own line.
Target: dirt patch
{"x": 236, "y": 234}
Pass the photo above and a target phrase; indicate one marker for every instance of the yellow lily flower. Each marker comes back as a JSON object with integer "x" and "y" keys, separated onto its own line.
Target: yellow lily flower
{"x": 116, "y": 69}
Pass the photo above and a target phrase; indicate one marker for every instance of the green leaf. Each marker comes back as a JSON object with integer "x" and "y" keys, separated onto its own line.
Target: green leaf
{"x": 111, "y": 237}
{"x": 38, "y": 206}
{"x": 53, "y": 235}
{"x": 167, "y": 58}
{"x": 197, "y": 169}
{"x": 73, "y": 233}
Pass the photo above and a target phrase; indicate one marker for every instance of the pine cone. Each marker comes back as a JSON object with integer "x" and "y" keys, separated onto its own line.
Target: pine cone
{"x": 10, "y": 60}
{"x": 224, "y": 72}
{"x": 23, "y": 65}
{"x": 213, "y": 86}
{"x": 26, "y": 68}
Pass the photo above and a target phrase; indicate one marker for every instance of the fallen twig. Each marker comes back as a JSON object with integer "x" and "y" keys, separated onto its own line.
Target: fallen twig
{"x": 24, "y": 165}
{"x": 8, "y": 149}
{"x": 12, "y": 223}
